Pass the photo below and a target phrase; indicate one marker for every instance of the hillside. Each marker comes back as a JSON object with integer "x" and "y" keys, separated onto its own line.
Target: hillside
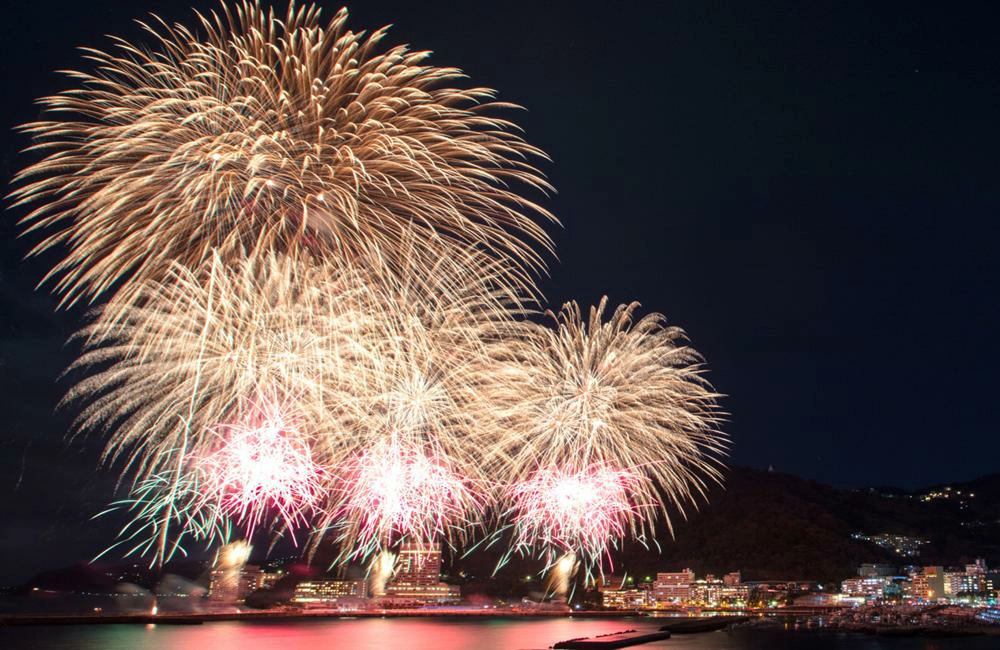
{"x": 777, "y": 526}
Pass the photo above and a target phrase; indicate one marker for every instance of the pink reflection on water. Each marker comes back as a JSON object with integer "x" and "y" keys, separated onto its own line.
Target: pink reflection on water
{"x": 366, "y": 634}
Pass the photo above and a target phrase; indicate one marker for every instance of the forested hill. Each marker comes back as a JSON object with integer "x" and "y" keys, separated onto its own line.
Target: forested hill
{"x": 774, "y": 526}
{"x": 778, "y": 526}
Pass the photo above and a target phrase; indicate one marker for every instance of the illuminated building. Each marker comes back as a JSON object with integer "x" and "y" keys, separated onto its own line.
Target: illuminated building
{"x": 975, "y": 580}
{"x": 953, "y": 583}
{"x": 972, "y": 582}
{"x": 629, "y": 598}
{"x": 328, "y": 592}
{"x": 419, "y": 564}
{"x": 714, "y": 592}
{"x": 612, "y": 583}
{"x": 269, "y": 578}
{"x": 418, "y": 577}
{"x": 976, "y": 568}
{"x": 876, "y": 570}
{"x": 871, "y": 588}
{"x": 935, "y": 582}
{"x": 230, "y": 586}
{"x": 437, "y": 594}
{"x": 920, "y": 589}
{"x": 673, "y": 588}
{"x": 620, "y": 592}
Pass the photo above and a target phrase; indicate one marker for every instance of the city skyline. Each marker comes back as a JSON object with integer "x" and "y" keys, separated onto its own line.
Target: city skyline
{"x": 417, "y": 580}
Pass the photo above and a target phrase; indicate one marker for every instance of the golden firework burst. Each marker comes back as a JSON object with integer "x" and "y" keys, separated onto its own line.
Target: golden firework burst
{"x": 259, "y": 133}
{"x": 622, "y": 394}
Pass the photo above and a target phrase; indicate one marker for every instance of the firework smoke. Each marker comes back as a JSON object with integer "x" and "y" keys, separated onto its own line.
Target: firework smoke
{"x": 229, "y": 563}
{"x": 561, "y": 578}
{"x": 381, "y": 572}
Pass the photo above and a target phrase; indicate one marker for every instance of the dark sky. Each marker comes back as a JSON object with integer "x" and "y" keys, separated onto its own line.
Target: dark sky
{"x": 810, "y": 189}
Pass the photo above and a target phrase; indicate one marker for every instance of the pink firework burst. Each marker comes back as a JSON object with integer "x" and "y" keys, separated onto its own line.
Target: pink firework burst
{"x": 395, "y": 490}
{"x": 575, "y": 511}
{"x": 263, "y": 465}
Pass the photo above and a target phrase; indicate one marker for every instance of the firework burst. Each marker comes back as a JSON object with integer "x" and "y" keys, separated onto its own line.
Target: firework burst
{"x": 359, "y": 357}
{"x": 417, "y": 469}
{"x": 610, "y": 422}
{"x": 280, "y": 211}
{"x": 263, "y": 464}
{"x": 394, "y": 491}
{"x": 269, "y": 133}
{"x": 576, "y": 511}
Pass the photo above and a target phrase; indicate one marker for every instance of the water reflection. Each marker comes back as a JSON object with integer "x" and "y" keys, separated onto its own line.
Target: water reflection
{"x": 433, "y": 634}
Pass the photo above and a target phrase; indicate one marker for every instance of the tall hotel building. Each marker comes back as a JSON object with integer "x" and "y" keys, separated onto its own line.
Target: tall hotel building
{"x": 418, "y": 577}
{"x": 672, "y": 588}
{"x": 419, "y": 564}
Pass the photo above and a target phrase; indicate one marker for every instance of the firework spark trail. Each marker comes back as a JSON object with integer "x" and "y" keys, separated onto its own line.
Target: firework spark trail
{"x": 263, "y": 465}
{"x": 620, "y": 397}
{"x": 417, "y": 469}
{"x": 361, "y": 356}
{"x": 288, "y": 207}
{"x": 164, "y": 500}
{"x": 208, "y": 344}
{"x": 272, "y": 134}
{"x": 216, "y": 340}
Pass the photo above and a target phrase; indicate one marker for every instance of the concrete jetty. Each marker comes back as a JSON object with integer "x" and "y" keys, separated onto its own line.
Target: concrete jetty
{"x": 706, "y": 624}
{"x": 625, "y": 639}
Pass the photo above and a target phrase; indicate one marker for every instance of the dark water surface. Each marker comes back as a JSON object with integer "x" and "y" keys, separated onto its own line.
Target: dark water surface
{"x": 437, "y": 634}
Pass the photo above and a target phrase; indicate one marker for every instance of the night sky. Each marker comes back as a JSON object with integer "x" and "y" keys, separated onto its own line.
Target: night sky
{"x": 810, "y": 189}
